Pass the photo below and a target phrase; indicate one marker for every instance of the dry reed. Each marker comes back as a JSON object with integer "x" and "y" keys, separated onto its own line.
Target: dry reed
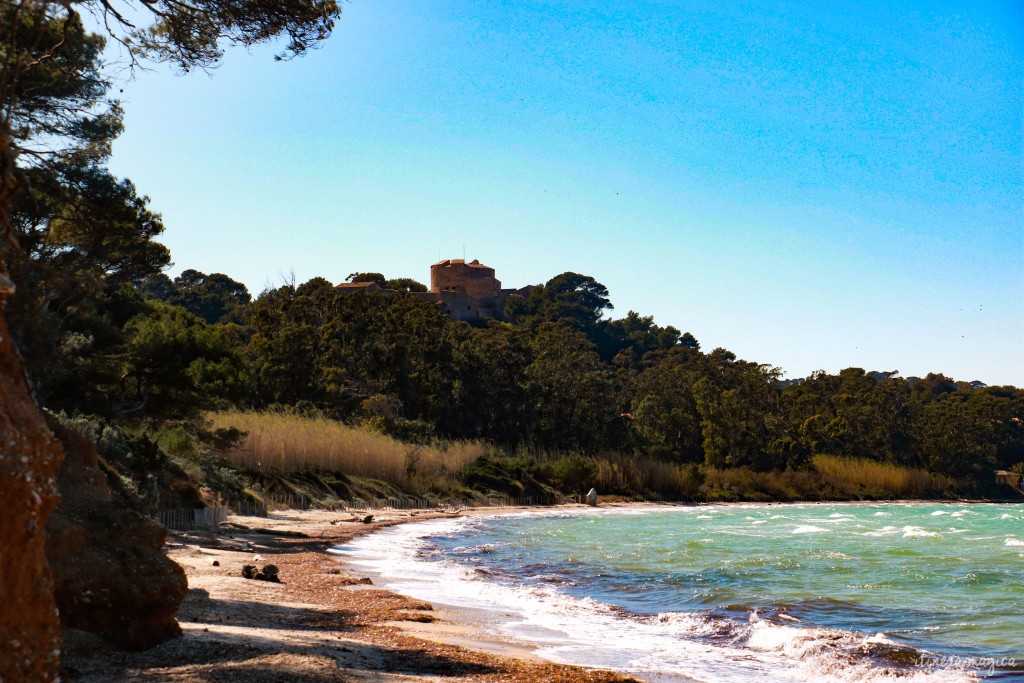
{"x": 851, "y": 475}
{"x": 285, "y": 442}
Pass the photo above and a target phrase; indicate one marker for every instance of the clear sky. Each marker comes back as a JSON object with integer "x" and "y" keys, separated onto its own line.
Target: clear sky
{"x": 810, "y": 185}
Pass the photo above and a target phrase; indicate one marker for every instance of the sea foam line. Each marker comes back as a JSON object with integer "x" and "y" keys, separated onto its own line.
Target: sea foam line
{"x": 586, "y": 632}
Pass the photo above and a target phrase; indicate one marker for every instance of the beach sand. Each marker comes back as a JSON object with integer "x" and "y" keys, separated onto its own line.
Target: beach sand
{"x": 320, "y": 623}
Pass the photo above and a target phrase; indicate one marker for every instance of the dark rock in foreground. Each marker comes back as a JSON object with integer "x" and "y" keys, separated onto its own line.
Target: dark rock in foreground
{"x": 111, "y": 576}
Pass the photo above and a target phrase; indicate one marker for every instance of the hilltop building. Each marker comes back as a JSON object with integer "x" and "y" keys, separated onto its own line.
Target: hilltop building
{"x": 469, "y": 291}
{"x": 349, "y": 287}
{"x": 465, "y": 291}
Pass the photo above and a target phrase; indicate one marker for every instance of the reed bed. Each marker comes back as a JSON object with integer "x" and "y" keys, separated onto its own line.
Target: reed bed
{"x": 616, "y": 472}
{"x": 285, "y": 442}
{"x": 856, "y": 475}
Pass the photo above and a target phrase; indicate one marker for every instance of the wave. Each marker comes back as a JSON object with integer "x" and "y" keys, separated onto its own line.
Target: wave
{"x": 686, "y": 645}
{"x": 1014, "y": 543}
{"x": 918, "y": 532}
{"x": 808, "y": 529}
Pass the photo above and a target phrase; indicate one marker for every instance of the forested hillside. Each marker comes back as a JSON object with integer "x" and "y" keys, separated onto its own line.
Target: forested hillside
{"x": 106, "y": 336}
{"x": 562, "y": 377}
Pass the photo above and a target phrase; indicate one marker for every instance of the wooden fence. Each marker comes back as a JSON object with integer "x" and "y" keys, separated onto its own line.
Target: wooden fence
{"x": 184, "y": 519}
{"x": 401, "y": 503}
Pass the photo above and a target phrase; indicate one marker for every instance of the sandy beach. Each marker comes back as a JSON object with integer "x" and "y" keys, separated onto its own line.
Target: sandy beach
{"x": 322, "y": 622}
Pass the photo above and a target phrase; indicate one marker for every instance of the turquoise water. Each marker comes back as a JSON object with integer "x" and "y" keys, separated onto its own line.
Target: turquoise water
{"x": 721, "y": 593}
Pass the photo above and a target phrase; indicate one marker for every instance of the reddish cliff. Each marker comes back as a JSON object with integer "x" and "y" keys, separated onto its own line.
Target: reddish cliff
{"x": 29, "y": 458}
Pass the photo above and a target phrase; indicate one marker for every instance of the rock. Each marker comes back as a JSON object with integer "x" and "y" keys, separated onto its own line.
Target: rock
{"x": 215, "y": 563}
{"x": 366, "y": 581}
{"x": 368, "y": 519}
{"x": 592, "y": 497}
{"x": 420, "y": 618}
{"x": 111, "y": 576}
{"x": 29, "y": 460}
{"x": 269, "y": 573}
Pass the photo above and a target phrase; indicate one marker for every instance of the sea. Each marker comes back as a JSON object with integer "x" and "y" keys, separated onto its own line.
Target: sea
{"x": 769, "y": 592}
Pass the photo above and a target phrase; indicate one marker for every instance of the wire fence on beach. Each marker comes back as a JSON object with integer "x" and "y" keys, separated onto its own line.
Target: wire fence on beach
{"x": 185, "y": 519}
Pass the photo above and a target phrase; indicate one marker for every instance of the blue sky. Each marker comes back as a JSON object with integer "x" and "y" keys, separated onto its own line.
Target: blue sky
{"x": 810, "y": 185}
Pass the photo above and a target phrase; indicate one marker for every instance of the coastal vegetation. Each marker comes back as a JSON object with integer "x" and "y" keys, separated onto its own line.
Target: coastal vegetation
{"x": 558, "y": 396}
{"x": 289, "y": 443}
{"x": 555, "y": 399}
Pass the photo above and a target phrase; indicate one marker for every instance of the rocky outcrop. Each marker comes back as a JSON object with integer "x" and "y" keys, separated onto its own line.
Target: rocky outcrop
{"x": 29, "y": 458}
{"x": 111, "y": 576}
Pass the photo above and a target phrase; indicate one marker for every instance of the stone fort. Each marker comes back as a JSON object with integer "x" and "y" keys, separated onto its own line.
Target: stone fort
{"x": 465, "y": 291}
{"x": 469, "y": 291}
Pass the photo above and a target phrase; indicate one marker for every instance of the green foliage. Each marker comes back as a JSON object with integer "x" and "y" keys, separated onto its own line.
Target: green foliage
{"x": 574, "y": 473}
{"x": 176, "y": 364}
{"x": 571, "y": 393}
{"x": 174, "y": 440}
{"x": 367, "y": 277}
{"x": 215, "y": 298}
{"x": 132, "y": 461}
{"x": 405, "y": 284}
{"x": 632, "y": 338}
{"x": 512, "y": 476}
{"x": 412, "y": 431}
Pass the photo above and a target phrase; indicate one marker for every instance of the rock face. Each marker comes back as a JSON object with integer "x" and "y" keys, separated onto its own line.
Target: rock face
{"x": 29, "y": 458}
{"x": 592, "y": 497}
{"x": 111, "y": 576}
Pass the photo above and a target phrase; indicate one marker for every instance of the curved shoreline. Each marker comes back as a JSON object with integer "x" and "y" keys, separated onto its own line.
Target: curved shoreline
{"x": 415, "y": 577}
{"x": 321, "y": 623}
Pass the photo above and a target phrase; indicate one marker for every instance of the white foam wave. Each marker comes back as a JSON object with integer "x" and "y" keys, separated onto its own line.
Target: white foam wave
{"x": 583, "y": 631}
{"x": 918, "y": 532}
{"x": 1014, "y": 543}
{"x": 939, "y": 512}
{"x": 808, "y": 529}
{"x": 830, "y": 655}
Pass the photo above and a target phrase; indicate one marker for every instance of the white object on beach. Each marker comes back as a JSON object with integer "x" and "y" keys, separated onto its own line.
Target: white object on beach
{"x": 592, "y": 498}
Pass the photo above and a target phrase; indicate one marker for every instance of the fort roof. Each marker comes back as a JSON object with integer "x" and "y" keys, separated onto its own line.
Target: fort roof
{"x": 461, "y": 262}
{"x": 356, "y": 285}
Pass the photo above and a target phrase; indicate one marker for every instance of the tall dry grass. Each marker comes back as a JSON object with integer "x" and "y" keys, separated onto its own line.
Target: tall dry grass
{"x": 857, "y": 476}
{"x": 285, "y": 442}
{"x": 630, "y": 474}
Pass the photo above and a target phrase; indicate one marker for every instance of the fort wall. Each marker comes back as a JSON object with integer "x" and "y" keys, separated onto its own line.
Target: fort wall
{"x": 465, "y": 291}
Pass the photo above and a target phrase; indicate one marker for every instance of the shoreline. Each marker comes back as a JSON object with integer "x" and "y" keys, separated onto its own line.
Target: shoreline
{"x": 325, "y": 621}
{"x": 492, "y": 613}
{"x": 320, "y": 623}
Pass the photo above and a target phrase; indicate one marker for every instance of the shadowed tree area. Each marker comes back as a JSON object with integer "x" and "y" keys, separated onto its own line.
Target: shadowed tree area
{"x": 73, "y": 237}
